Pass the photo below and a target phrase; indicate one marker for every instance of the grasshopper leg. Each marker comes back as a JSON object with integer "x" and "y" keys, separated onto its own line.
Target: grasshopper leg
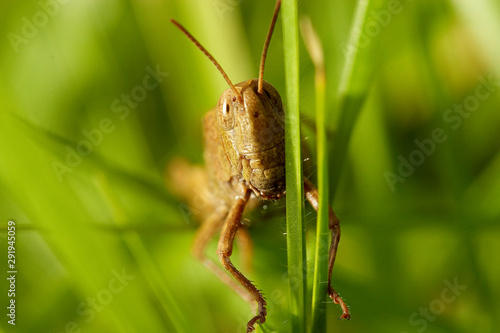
{"x": 207, "y": 230}
{"x": 244, "y": 242}
{"x": 225, "y": 249}
{"x": 334, "y": 225}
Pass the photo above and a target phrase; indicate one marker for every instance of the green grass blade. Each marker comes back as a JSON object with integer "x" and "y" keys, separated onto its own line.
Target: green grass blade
{"x": 318, "y": 315}
{"x": 357, "y": 75}
{"x": 294, "y": 185}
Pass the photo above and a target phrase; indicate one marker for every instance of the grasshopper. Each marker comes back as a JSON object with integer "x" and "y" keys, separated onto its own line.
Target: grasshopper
{"x": 244, "y": 162}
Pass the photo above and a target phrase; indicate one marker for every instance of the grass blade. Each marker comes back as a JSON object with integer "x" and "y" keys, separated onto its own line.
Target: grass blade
{"x": 318, "y": 316}
{"x": 294, "y": 184}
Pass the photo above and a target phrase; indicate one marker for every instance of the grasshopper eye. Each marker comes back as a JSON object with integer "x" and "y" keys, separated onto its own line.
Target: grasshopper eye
{"x": 225, "y": 114}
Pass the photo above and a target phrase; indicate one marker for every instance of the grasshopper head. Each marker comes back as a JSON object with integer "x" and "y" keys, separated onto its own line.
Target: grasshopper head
{"x": 252, "y": 132}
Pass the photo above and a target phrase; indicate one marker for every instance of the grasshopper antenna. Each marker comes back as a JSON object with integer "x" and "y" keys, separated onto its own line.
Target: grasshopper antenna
{"x": 266, "y": 46}
{"x": 209, "y": 56}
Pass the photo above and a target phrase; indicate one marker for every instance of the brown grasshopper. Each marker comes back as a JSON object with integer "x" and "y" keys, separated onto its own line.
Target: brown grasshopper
{"x": 244, "y": 161}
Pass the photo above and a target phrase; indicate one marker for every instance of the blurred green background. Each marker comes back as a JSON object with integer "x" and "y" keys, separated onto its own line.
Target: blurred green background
{"x": 88, "y": 129}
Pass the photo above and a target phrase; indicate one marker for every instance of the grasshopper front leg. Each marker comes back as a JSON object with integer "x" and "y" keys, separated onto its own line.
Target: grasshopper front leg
{"x": 334, "y": 225}
{"x": 209, "y": 227}
{"x": 225, "y": 249}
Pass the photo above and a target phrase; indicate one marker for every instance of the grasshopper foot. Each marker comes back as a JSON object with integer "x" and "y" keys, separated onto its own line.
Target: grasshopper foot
{"x": 338, "y": 300}
{"x": 261, "y": 317}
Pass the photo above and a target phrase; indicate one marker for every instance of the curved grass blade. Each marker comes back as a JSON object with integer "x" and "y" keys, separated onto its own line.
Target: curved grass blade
{"x": 356, "y": 79}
